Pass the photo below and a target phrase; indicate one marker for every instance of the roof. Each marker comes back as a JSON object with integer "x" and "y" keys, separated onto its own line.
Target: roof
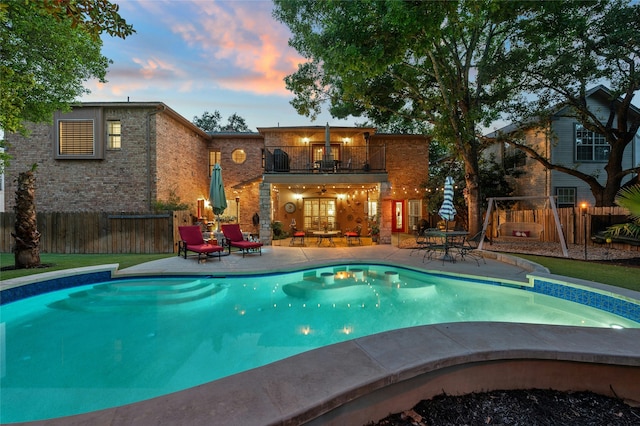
{"x": 160, "y": 106}
{"x": 600, "y": 92}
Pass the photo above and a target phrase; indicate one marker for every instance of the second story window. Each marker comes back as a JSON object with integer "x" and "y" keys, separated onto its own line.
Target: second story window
{"x": 590, "y": 146}
{"x": 75, "y": 138}
{"x": 214, "y": 157}
{"x": 114, "y": 134}
{"x": 238, "y": 156}
{"x": 513, "y": 157}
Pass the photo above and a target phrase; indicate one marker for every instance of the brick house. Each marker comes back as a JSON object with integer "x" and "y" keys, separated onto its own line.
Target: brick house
{"x": 125, "y": 156}
{"x": 565, "y": 142}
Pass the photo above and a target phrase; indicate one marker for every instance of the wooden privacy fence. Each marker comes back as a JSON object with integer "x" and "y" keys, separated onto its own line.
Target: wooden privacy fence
{"x": 572, "y": 220}
{"x": 90, "y": 232}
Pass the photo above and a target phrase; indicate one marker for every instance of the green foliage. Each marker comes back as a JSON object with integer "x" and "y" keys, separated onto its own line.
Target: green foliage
{"x": 278, "y": 231}
{"x": 172, "y": 204}
{"x": 374, "y": 228}
{"x": 562, "y": 52}
{"x": 495, "y": 181}
{"x": 92, "y": 16}
{"x": 432, "y": 64}
{"x": 49, "y": 49}
{"x": 628, "y": 198}
{"x": 211, "y": 122}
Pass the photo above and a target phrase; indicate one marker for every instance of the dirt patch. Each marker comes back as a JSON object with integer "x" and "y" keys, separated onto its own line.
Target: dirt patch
{"x": 518, "y": 407}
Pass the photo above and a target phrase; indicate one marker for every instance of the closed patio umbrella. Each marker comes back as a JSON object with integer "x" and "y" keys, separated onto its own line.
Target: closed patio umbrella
{"x": 216, "y": 193}
{"x": 447, "y": 210}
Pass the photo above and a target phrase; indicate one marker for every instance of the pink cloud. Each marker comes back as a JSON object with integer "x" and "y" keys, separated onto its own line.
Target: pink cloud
{"x": 242, "y": 35}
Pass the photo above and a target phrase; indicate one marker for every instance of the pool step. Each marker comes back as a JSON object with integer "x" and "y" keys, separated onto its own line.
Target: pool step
{"x": 142, "y": 293}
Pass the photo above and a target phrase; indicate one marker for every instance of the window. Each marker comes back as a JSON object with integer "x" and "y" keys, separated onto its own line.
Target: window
{"x": 566, "y": 196}
{"x": 214, "y": 157}
{"x": 238, "y": 156}
{"x": 413, "y": 214}
{"x": 590, "y": 146}
{"x": 76, "y": 138}
{"x": 318, "y": 151}
{"x": 114, "y": 138}
{"x": 319, "y": 213}
{"x": 513, "y": 157}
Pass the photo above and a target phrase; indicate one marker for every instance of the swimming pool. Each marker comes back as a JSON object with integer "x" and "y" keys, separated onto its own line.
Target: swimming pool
{"x": 116, "y": 342}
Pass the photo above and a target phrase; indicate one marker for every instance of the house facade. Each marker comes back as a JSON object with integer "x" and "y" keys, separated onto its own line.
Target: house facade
{"x": 127, "y": 156}
{"x": 563, "y": 141}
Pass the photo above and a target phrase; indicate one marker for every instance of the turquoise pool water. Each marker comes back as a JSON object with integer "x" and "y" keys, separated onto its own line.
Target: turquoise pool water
{"x": 113, "y": 343}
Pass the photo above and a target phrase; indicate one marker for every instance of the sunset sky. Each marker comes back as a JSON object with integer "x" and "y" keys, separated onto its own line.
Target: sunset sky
{"x": 205, "y": 55}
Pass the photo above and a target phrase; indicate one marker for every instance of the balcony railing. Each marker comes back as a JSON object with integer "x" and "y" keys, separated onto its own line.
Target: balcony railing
{"x": 347, "y": 159}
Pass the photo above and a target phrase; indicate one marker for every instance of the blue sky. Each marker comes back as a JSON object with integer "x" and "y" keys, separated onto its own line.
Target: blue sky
{"x": 205, "y": 55}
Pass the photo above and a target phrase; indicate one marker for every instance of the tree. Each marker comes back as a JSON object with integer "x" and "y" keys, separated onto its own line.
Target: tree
{"x": 27, "y": 236}
{"x": 558, "y": 57}
{"x": 48, "y": 50}
{"x": 434, "y": 62}
{"x": 211, "y": 122}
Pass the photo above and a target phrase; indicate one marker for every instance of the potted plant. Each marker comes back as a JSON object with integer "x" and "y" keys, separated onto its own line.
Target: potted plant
{"x": 374, "y": 231}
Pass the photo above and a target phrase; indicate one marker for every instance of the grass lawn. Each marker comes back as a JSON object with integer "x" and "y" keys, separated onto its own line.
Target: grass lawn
{"x": 67, "y": 261}
{"x": 619, "y": 276}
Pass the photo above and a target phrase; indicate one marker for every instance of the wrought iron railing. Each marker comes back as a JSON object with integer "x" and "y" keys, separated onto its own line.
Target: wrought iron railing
{"x": 301, "y": 159}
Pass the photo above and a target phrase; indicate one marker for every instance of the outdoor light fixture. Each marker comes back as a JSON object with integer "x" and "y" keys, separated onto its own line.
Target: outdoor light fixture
{"x": 237, "y": 209}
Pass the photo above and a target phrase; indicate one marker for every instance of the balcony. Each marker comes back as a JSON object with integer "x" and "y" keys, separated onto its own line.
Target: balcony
{"x": 308, "y": 159}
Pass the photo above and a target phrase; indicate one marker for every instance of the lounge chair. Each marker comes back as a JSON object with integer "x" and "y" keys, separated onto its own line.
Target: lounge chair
{"x": 234, "y": 238}
{"x": 191, "y": 240}
{"x": 353, "y": 236}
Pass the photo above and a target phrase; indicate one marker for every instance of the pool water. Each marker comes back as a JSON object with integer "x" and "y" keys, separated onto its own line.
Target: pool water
{"x": 109, "y": 344}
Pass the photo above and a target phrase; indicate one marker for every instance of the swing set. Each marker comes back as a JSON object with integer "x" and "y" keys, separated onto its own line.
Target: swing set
{"x": 521, "y": 233}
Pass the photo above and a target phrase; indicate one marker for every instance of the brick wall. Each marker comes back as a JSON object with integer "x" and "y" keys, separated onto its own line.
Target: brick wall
{"x": 241, "y": 180}
{"x": 179, "y": 162}
{"x": 128, "y": 179}
{"x": 115, "y": 183}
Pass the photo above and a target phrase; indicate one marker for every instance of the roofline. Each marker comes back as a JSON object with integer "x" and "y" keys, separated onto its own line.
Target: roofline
{"x": 510, "y": 128}
{"x": 235, "y": 135}
{"x": 316, "y": 128}
{"x": 161, "y": 106}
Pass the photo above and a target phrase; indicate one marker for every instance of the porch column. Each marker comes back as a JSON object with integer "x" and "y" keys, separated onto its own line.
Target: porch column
{"x": 265, "y": 213}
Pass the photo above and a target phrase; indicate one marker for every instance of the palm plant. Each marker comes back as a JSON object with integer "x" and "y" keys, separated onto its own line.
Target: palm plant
{"x": 628, "y": 198}
{"x": 27, "y": 236}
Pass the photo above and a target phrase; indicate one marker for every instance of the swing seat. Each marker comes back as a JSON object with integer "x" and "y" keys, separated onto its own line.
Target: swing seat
{"x": 520, "y": 231}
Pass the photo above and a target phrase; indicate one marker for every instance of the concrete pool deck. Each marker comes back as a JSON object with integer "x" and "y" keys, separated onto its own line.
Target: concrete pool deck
{"x": 365, "y": 379}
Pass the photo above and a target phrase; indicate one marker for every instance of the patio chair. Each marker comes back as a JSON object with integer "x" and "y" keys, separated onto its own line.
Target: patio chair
{"x": 234, "y": 238}
{"x": 191, "y": 240}
{"x": 297, "y": 236}
{"x": 468, "y": 247}
{"x": 353, "y": 236}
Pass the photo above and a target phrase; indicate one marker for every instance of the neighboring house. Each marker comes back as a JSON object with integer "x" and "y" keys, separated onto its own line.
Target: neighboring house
{"x": 564, "y": 141}
{"x": 125, "y": 156}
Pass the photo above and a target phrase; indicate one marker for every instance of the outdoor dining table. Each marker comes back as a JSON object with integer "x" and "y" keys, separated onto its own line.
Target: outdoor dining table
{"x": 326, "y": 235}
{"x": 447, "y": 240}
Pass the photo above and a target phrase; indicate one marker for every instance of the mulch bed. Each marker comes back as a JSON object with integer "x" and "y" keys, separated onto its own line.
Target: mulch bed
{"x": 518, "y": 407}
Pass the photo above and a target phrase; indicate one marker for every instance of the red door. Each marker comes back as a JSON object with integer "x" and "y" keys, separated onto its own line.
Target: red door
{"x": 398, "y": 223}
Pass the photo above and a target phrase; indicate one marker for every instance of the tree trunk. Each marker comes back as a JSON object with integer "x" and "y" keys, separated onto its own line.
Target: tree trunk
{"x": 27, "y": 248}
